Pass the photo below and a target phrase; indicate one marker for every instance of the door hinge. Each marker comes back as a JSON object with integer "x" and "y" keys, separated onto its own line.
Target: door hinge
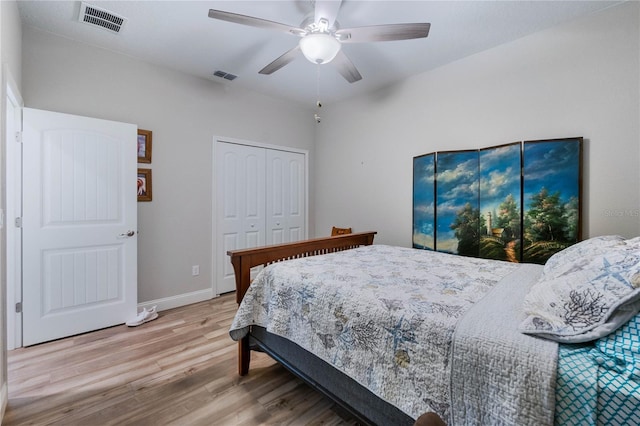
{"x": 19, "y": 137}
{"x": 18, "y": 222}
{"x": 19, "y": 308}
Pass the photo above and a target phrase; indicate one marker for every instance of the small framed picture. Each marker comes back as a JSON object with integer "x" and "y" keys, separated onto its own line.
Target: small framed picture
{"x": 144, "y": 185}
{"x": 144, "y": 146}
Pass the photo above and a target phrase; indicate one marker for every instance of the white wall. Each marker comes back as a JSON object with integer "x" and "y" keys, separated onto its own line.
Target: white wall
{"x": 11, "y": 62}
{"x": 12, "y": 39}
{"x": 184, "y": 113}
{"x": 579, "y": 79}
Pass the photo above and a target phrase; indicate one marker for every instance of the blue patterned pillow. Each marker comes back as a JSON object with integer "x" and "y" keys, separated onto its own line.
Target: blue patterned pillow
{"x": 588, "y": 297}
{"x": 620, "y": 351}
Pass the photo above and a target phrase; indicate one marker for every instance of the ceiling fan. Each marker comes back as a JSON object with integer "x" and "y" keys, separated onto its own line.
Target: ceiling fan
{"x": 321, "y": 38}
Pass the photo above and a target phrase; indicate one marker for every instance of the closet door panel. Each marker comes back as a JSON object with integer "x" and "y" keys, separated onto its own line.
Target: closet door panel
{"x": 285, "y": 200}
{"x": 240, "y": 172}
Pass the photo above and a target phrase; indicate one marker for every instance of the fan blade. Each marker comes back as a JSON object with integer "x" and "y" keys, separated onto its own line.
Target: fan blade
{"x": 346, "y": 68}
{"x": 388, "y": 32}
{"x": 254, "y": 22}
{"x": 281, "y": 61}
{"x": 327, "y": 9}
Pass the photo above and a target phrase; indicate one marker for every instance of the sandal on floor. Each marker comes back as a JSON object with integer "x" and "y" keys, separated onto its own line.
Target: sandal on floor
{"x": 144, "y": 316}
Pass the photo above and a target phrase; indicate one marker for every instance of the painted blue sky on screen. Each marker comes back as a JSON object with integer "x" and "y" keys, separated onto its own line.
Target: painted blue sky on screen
{"x": 457, "y": 185}
{"x": 423, "y": 200}
{"x": 499, "y": 176}
{"x": 552, "y": 165}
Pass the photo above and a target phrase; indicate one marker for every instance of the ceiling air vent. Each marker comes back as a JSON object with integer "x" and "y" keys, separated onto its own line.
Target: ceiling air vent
{"x": 225, "y": 75}
{"x": 97, "y": 16}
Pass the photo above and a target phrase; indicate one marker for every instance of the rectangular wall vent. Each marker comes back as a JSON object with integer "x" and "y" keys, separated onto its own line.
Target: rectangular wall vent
{"x": 225, "y": 75}
{"x": 102, "y": 18}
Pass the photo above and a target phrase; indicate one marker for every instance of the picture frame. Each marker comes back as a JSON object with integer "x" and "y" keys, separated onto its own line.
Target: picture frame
{"x": 145, "y": 139}
{"x": 144, "y": 185}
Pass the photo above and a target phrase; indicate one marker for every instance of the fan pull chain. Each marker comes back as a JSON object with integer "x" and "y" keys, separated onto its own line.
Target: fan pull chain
{"x": 316, "y": 116}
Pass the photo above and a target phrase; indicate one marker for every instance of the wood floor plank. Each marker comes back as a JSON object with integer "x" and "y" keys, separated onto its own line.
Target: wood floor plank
{"x": 180, "y": 369}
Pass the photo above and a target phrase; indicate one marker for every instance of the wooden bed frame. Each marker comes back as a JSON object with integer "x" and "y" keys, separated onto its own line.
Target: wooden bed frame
{"x": 244, "y": 260}
{"x": 365, "y": 407}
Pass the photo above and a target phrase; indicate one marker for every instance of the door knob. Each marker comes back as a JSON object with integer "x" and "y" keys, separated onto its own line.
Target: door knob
{"x": 128, "y": 234}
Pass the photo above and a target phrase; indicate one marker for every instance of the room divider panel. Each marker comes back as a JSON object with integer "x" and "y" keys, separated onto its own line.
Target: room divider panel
{"x": 518, "y": 202}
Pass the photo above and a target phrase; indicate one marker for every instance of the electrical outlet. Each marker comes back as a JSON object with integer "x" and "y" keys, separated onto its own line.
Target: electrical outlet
{"x": 195, "y": 270}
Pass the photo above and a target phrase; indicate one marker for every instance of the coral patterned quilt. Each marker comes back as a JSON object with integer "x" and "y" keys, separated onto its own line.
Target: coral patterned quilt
{"x": 385, "y": 316}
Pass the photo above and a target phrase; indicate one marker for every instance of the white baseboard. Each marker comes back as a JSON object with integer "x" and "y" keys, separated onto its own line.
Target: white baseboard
{"x": 4, "y": 399}
{"x": 179, "y": 300}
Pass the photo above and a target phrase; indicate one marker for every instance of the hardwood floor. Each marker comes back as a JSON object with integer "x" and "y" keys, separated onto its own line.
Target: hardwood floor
{"x": 178, "y": 369}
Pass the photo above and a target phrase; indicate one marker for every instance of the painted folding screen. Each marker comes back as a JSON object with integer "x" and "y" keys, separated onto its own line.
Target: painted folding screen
{"x": 424, "y": 213}
{"x": 457, "y": 203}
{"x": 515, "y": 202}
{"x": 500, "y": 202}
{"x": 551, "y": 188}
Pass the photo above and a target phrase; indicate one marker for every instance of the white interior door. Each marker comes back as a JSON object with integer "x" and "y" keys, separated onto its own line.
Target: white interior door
{"x": 285, "y": 196}
{"x": 79, "y": 224}
{"x": 240, "y": 176}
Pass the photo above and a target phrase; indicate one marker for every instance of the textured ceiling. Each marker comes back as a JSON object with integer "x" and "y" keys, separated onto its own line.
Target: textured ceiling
{"x": 180, "y": 35}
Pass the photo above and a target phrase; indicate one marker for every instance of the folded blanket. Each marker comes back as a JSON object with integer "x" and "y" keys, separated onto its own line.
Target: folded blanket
{"x": 500, "y": 376}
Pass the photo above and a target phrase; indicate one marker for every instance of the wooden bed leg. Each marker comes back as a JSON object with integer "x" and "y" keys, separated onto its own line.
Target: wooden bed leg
{"x": 244, "y": 356}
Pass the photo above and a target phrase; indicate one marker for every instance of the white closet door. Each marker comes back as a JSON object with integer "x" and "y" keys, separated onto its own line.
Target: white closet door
{"x": 285, "y": 196}
{"x": 240, "y": 173}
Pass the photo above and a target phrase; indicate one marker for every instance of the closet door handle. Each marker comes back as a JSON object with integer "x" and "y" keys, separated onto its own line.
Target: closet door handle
{"x": 127, "y": 234}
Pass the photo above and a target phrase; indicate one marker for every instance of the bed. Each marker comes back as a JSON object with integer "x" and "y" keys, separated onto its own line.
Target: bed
{"x": 390, "y": 333}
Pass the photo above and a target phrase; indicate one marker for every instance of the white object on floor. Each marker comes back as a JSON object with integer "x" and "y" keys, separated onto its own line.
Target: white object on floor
{"x": 144, "y": 316}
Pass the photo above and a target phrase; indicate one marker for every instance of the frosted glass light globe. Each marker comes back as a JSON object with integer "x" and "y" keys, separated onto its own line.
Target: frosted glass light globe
{"x": 319, "y": 48}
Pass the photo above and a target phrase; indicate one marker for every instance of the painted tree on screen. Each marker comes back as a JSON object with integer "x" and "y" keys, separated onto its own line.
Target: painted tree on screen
{"x": 546, "y": 219}
{"x": 467, "y": 225}
{"x": 508, "y": 218}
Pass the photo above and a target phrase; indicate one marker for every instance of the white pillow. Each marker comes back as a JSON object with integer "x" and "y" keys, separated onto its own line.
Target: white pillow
{"x": 586, "y": 294}
{"x": 563, "y": 261}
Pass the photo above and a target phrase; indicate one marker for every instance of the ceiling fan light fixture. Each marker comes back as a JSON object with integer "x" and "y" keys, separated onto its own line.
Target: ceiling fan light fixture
{"x": 319, "y": 48}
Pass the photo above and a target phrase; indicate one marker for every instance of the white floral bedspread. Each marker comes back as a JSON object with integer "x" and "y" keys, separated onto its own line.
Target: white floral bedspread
{"x": 382, "y": 315}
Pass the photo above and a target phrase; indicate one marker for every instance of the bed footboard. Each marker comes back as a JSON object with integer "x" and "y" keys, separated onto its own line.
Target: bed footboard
{"x": 245, "y": 259}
